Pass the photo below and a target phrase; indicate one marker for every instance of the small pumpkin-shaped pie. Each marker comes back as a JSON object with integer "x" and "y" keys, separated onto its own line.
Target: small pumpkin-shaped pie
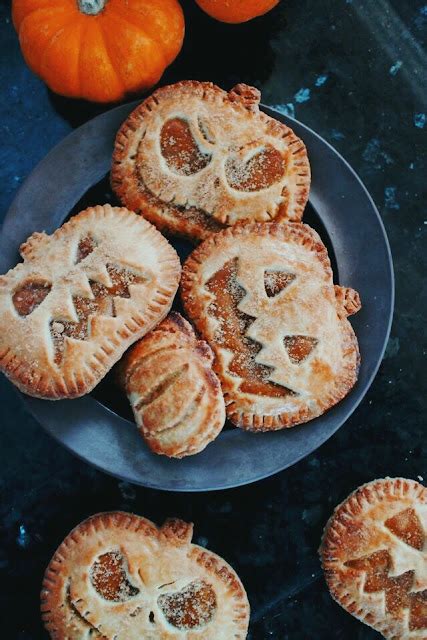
{"x": 117, "y": 576}
{"x": 175, "y": 396}
{"x": 193, "y": 159}
{"x": 263, "y": 297}
{"x": 81, "y": 297}
{"x": 374, "y": 555}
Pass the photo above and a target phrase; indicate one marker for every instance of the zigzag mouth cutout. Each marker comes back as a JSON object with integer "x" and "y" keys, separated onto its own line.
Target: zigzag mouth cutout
{"x": 231, "y": 334}
{"x": 102, "y": 303}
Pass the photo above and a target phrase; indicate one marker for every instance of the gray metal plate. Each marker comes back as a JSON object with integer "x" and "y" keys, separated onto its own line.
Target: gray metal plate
{"x": 340, "y": 209}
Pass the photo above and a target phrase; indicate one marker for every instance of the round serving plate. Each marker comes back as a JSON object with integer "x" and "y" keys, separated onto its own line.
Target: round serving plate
{"x": 98, "y": 427}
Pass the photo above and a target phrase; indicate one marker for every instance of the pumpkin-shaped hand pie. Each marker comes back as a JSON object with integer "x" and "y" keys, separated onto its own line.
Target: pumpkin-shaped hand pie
{"x": 80, "y": 298}
{"x": 262, "y": 296}
{"x": 175, "y": 396}
{"x": 374, "y": 554}
{"x": 118, "y": 577}
{"x": 193, "y": 159}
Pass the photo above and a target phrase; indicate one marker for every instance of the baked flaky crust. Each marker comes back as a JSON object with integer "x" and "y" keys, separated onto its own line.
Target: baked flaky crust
{"x": 81, "y": 297}
{"x": 374, "y": 555}
{"x": 262, "y": 296}
{"x": 175, "y": 396}
{"x": 193, "y": 158}
{"x": 117, "y": 576}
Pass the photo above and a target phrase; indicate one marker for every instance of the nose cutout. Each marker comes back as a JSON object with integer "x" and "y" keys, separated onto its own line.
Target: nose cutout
{"x": 180, "y": 150}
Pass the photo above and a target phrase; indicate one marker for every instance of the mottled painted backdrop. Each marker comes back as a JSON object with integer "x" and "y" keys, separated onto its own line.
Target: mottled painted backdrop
{"x": 353, "y": 70}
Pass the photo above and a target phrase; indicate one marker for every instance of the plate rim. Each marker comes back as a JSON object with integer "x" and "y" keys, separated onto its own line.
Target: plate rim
{"x": 390, "y": 297}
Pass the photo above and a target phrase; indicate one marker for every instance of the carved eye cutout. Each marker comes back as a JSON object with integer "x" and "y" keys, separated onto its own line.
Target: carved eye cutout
{"x": 194, "y": 606}
{"x": 109, "y": 578}
{"x": 260, "y": 171}
{"x": 407, "y": 526}
{"x": 276, "y": 281}
{"x": 180, "y": 150}
{"x": 299, "y": 347}
{"x": 86, "y": 246}
{"x": 30, "y": 295}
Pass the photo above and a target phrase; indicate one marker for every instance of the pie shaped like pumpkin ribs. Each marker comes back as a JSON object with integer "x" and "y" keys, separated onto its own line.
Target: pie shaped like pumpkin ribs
{"x": 118, "y": 577}
{"x": 262, "y": 296}
{"x": 80, "y": 298}
{"x": 193, "y": 158}
{"x": 374, "y": 555}
{"x": 175, "y": 396}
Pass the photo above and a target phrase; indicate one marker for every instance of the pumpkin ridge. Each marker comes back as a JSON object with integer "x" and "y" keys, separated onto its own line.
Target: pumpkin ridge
{"x": 58, "y": 34}
{"x": 116, "y": 11}
{"x": 105, "y": 41}
{"x": 155, "y": 37}
{"x": 27, "y": 24}
{"x": 67, "y": 11}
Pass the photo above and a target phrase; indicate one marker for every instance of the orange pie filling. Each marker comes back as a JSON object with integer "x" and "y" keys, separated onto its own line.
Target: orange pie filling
{"x": 194, "y": 606}
{"x": 109, "y": 578}
{"x": 102, "y": 303}
{"x": 231, "y": 334}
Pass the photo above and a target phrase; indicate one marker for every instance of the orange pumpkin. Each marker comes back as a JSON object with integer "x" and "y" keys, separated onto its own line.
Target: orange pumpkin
{"x": 99, "y": 50}
{"x": 236, "y": 10}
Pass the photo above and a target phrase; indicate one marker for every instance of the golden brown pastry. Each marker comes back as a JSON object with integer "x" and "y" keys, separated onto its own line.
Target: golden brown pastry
{"x": 80, "y": 298}
{"x": 193, "y": 159}
{"x": 117, "y": 576}
{"x": 374, "y": 555}
{"x": 262, "y": 296}
{"x": 175, "y": 396}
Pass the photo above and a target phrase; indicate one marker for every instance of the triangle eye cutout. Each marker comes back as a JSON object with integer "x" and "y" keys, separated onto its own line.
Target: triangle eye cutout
{"x": 407, "y": 527}
{"x": 86, "y": 246}
{"x": 299, "y": 347}
{"x": 276, "y": 281}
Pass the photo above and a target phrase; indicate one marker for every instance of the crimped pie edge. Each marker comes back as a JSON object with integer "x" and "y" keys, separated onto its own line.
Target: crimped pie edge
{"x": 125, "y": 185}
{"x": 373, "y": 491}
{"x": 346, "y": 304}
{"x": 66, "y": 386}
{"x": 177, "y": 532}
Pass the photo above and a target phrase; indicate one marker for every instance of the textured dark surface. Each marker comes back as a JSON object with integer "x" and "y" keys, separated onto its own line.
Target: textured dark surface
{"x": 353, "y": 71}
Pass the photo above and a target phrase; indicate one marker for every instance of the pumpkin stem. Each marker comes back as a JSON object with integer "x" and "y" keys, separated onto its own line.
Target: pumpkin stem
{"x": 91, "y": 7}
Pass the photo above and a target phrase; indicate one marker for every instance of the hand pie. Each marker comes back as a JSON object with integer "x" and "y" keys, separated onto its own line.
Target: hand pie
{"x": 193, "y": 159}
{"x": 175, "y": 396}
{"x": 374, "y": 554}
{"x": 80, "y": 298}
{"x": 118, "y": 577}
{"x": 262, "y": 296}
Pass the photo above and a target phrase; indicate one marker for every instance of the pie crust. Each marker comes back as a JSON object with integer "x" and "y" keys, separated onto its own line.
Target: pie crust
{"x": 262, "y": 296}
{"x": 80, "y": 298}
{"x": 193, "y": 159}
{"x": 117, "y": 576}
{"x": 175, "y": 396}
{"x": 374, "y": 555}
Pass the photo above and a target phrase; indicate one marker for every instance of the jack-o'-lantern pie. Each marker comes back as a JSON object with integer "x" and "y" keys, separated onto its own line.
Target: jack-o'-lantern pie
{"x": 193, "y": 159}
{"x": 263, "y": 297}
{"x": 374, "y": 555}
{"x": 117, "y": 576}
{"x": 80, "y": 298}
{"x": 175, "y": 396}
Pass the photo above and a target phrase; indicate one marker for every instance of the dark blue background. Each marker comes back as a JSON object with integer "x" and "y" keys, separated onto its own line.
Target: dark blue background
{"x": 354, "y": 71}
